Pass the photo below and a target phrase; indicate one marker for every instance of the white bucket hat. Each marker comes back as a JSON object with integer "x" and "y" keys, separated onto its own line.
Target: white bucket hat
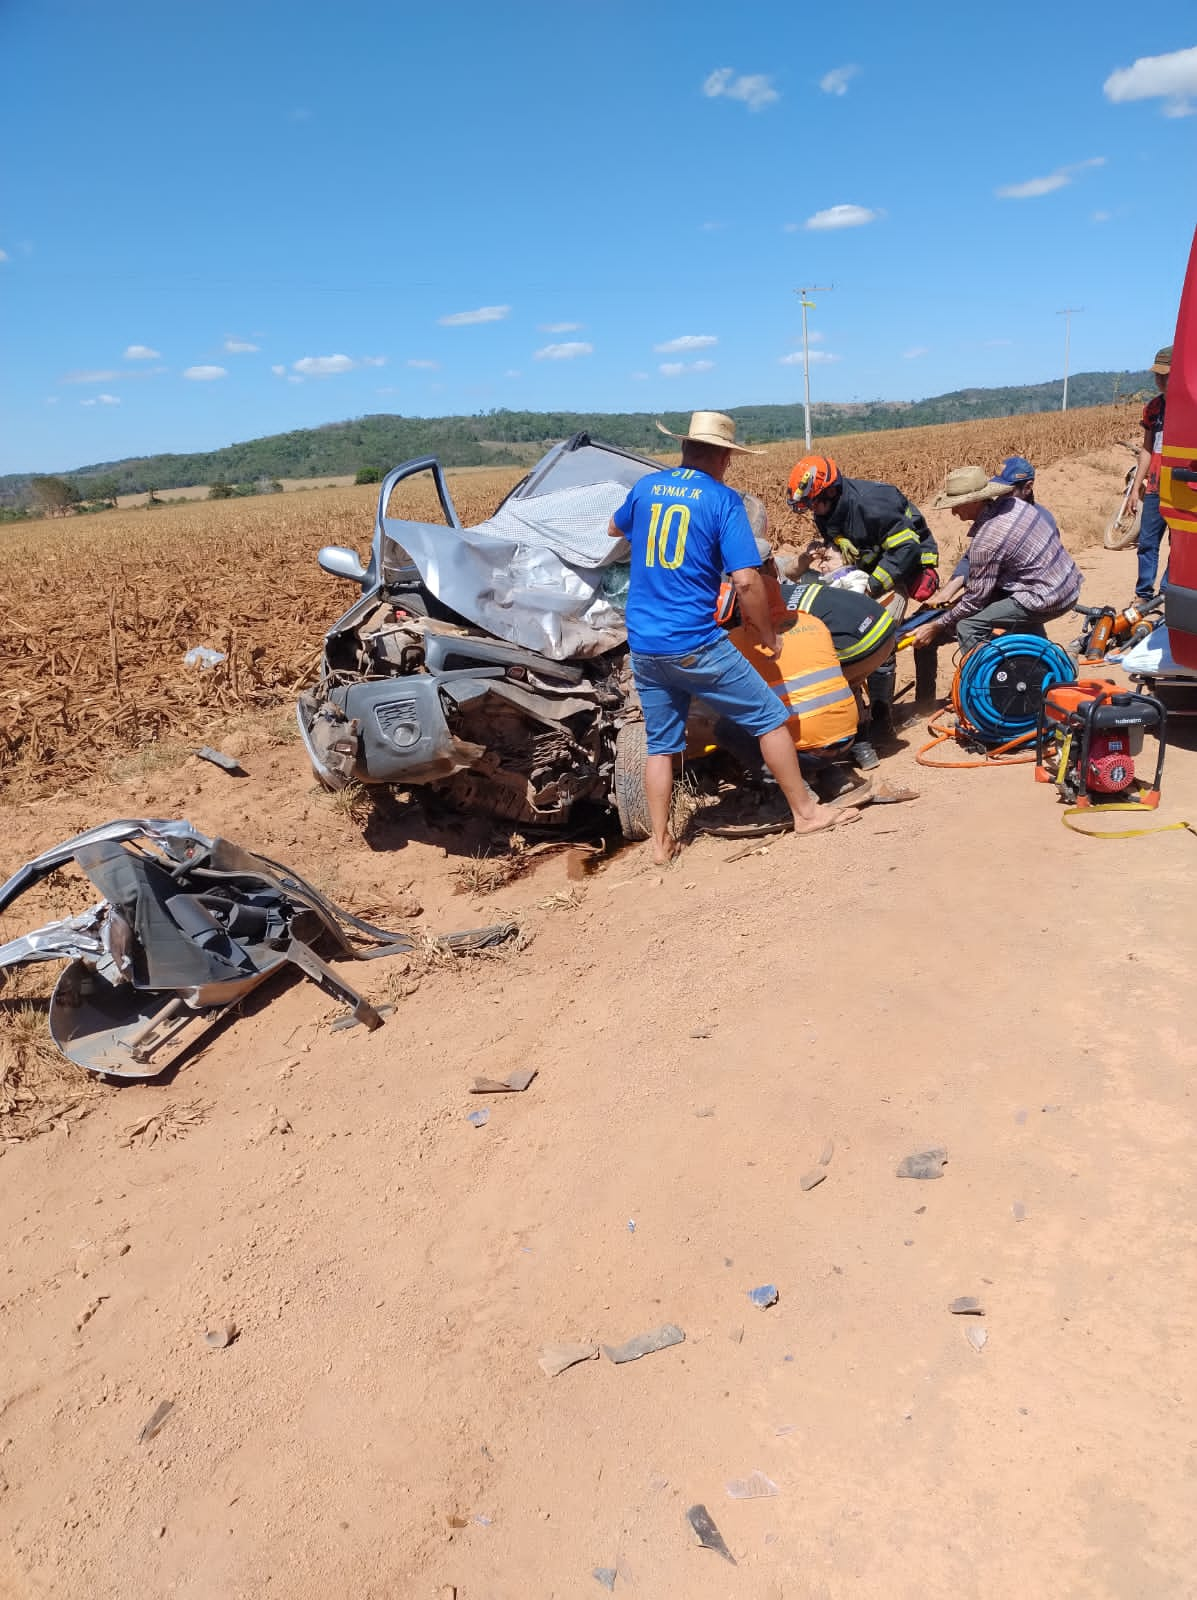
{"x": 966, "y": 484}
{"x": 712, "y": 427}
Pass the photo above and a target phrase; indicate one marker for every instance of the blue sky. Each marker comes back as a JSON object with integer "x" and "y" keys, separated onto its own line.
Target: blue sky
{"x": 224, "y": 220}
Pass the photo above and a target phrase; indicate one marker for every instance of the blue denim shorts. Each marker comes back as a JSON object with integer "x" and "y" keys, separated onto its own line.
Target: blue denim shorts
{"x": 716, "y": 673}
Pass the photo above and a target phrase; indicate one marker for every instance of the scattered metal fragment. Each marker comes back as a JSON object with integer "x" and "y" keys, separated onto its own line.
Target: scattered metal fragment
{"x": 644, "y": 1344}
{"x": 479, "y": 1118}
{"x": 812, "y": 1179}
{"x": 157, "y": 1418}
{"x": 631, "y": 1224}
{"x": 555, "y": 1359}
{"x": 754, "y": 1487}
{"x": 827, "y": 1152}
{"x": 222, "y": 1335}
{"x": 1018, "y": 1211}
{"x": 707, "y": 1533}
{"x": 349, "y": 1020}
{"x": 514, "y": 1083}
{"x": 966, "y": 1305}
{"x": 923, "y": 1164}
{"x": 605, "y": 1576}
{"x": 765, "y": 1296}
{"x": 700, "y": 1033}
{"x": 205, "y": 752}
{"x": 976, "y": 1336}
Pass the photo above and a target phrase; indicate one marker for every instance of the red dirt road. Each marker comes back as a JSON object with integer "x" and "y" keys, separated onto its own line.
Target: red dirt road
{"x": 960, "y": 972}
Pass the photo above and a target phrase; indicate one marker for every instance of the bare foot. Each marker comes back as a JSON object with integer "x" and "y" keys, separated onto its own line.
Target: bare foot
{"x": 665, "y": 853}
{"x": 827, "y": 817}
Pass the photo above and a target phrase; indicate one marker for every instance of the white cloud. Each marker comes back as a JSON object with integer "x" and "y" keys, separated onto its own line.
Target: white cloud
{"x": 513, "y": 372}
{"x": 840, "y": 217}
{"x": 293, "y": 377}
{"x": 240, "y": 347}
{"x": 3, "y": 255}
{"x": 323, "y": 366}
{"x": 53, "y": 399}
{"x": 687, "y": 341}
{"x": 817, "y": 358}
{"x": 1171, "y": 78}
{"x": 142, "y": 352}
{"x": 204, "y": 374}
{"x": 836, "y": 81}
{"x": 638, "y": 377}
{"x": 374, "y": 361}
{"x": 424, "y": 366}
{"x": 1102, "y": 216}
{"x": 279, "y": 370}
{"x": 754, "y": 89}
{"x": 674, "y": 369}
{"x": 101, "y": 400}
{"x": 1059, "y": 179}
{"x": 105, "y": 376}
{"x": 915, "y": 351}
{"x": 560, "y": 327}
{"x": 563, "y": 352}
{"x": 466, "y": 319}
{"x": 713, "y": 227}
{"x": 387, "y": 388}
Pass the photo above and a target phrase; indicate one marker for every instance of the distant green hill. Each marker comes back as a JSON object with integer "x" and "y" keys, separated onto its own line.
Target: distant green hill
{"x": 515, "y": 437}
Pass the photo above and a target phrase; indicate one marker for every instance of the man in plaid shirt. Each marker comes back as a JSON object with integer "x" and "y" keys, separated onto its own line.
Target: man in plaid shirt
{"x": 1019, "y": 574}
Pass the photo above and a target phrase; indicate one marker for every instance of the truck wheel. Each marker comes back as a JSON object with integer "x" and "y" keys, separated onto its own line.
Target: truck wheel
{"x": 631, "y": 751}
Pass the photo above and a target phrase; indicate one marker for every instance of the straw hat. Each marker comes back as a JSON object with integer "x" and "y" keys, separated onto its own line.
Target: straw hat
{"x": 966, "y": 484}
{"x": 712, "y": 427}
{"x": 1163, "y": 361}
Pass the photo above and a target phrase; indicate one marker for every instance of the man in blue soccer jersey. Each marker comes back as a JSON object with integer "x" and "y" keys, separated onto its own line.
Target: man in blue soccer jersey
{"x": 686, "y": 529}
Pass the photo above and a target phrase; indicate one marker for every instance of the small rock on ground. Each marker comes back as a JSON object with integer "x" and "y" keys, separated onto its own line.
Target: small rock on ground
{"x": 923, "y": 1164}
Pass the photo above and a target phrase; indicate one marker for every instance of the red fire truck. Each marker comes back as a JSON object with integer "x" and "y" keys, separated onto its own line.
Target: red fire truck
{"x": 1178, "y": 477}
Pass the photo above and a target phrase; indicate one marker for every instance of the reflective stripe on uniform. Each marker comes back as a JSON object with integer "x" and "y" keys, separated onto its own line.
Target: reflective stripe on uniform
{"x": 808, "y": 596}
{"x": 902, "y": 536}
{"x": 881, "y": 576}
{"x": 790, "y": 687}
{"x": 872, "y": 640}
{"x": 930, "y": 558}
{"x": 817, "y": 702}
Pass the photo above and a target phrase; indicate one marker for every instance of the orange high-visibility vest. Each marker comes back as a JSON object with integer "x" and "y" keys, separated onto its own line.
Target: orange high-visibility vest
{"x": 808, "y": 677}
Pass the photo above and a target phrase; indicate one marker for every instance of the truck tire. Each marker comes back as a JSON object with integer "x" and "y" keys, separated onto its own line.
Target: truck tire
{"x": 631, "y": 752}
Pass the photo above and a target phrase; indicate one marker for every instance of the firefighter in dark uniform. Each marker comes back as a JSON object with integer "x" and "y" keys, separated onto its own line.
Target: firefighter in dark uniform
{"x": 876, "y": 529}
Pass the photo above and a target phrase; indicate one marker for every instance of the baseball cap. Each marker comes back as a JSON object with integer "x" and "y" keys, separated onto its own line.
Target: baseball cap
{"x": 1163, "y": 360}
{"x": 1014, "y": 470}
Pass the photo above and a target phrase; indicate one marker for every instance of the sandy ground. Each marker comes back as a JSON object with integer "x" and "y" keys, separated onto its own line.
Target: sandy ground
{"x": 961, "y": 972}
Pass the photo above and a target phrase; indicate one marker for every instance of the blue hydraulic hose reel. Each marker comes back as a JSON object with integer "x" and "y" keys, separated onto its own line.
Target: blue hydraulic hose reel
{"x": 1000, "y": 685}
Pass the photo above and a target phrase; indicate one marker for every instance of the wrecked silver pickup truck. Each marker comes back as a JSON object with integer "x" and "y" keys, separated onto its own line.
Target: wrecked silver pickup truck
{"x": 490, "y": 663}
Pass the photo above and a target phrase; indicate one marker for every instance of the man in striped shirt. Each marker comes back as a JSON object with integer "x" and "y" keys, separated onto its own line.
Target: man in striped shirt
{"x": 1019, "y": 574}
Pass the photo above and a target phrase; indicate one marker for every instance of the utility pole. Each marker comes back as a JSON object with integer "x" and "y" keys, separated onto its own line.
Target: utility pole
{"x": 808, "y": 305}
{"x": 1068, "y": 313}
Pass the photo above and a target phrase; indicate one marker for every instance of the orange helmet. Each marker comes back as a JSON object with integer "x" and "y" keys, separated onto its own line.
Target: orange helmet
{"x": 811, "y": 477}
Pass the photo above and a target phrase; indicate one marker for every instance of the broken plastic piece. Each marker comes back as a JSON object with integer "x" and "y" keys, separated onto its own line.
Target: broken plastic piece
{"x": 350, "y": 1020}
{"x": 157, "y": 1418}
{"x": 754, "y": 1487}
{"x": 812, "y": 1179}
{"x": 201, "y": 655}
{"x": 644, "y": 1344}
{"x": 966, "y": 1305}
{"x": 707, "y": 1533}
{"x": 765, "y": 1296}
{"x": 205, "y": 752}
{"x": 479, "y": 1118}
{"x": 826, "y": 1153}
{"x": 976, "y": 1336}
{"x": 558, "y": 1358}
{"x": 605, "y": 1576}
{"x": 222, "y": 1335}
{"x": 923, "y": 1164}
{"x": 515, "y": 1082}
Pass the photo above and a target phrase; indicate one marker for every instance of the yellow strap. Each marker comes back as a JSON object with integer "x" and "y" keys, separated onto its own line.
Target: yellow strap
{"x": 1123, "y": 833}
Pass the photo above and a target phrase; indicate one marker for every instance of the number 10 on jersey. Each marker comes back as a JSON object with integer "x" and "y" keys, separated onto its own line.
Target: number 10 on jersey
{"x": 667, "y": 526}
